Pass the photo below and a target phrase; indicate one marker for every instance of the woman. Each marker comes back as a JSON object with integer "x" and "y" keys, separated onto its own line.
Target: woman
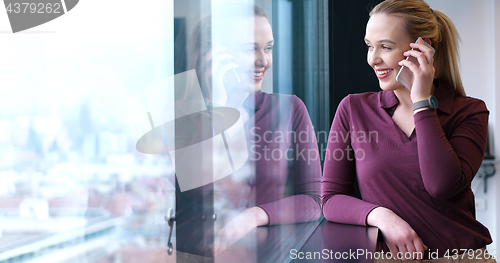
{"x": 278, "y": 184}
{"x": 414, "y": 164}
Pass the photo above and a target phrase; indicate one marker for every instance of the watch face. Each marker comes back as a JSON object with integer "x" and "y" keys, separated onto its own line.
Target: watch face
{"x": 433, "y": 101}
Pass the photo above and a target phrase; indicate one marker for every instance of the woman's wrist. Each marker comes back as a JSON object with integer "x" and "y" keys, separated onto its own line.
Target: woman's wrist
{"x": 420, "y": 109}
{"x": 377, "y": 216}
{"x": 260, "y": 215}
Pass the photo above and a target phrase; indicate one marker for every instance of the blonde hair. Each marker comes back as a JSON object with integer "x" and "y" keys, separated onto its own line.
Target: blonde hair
{"x": 422, "y": 21}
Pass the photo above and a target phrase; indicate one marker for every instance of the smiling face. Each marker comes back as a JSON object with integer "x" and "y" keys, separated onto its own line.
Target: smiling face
{"x": 251, "y": 46}
{"x": 386, "y": 40}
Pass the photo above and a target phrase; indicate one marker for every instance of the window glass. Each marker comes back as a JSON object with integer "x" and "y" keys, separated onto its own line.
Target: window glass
{"x": 112, "y": 138}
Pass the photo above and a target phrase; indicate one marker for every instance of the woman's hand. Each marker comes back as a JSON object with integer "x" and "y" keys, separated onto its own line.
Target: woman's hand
{"x": 218, "y": 64}
{"x": 397, "y": 233}
{"x": 423, "y": 74}
{"x": 238, "y": 227}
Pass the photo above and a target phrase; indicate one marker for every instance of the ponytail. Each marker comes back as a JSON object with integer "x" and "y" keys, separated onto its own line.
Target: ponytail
{"x": 422, "y": 21}
{"x": 446, "y": 59}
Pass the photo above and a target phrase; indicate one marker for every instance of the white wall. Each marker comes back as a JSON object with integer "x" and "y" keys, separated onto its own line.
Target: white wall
{"x": 496, "y": 117}
{"x": 478, "y": 23}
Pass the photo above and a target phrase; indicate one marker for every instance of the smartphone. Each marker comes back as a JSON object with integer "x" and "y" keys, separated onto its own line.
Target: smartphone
{"x": 405, "y": 76}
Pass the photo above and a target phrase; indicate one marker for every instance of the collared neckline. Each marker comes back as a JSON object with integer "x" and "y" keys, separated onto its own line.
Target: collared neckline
{"x": 254, "y": 100}
{"x": 444, "y": 94}
{"x": 388, "y": 99}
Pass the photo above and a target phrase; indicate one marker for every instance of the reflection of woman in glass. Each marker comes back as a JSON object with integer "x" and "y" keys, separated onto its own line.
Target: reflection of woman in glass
{"x": 280, "y": 183}
{"x": 414, "y": 164}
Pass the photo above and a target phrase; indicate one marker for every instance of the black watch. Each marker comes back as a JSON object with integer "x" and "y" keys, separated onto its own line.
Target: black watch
{"x": 430, "y": 102}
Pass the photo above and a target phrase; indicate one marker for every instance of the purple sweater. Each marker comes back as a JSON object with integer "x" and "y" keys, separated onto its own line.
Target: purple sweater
{"x": 283, "y": 146}
{"x": 425, "y": 179}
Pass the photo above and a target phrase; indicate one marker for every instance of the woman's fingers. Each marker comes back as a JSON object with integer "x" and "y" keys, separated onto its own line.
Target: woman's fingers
{"x": 393, "y": 248}
{"x": 421, "y": 58}
{"x": 234, "y": 230}
{"x": 402, "y": 240}
{"x": 221, "y": 60}
{"x": 422, "y": 53}
{"x": 413, "y": 249}
{"x": 219, "y": 245}
{"x": 402, "y": 252}
{"x": 226, "y": 67}
{"x": 220, "y": 241}
{"x": 408, "y": 249}
{"x": 423, "y": 74}
{"x": 419, "y": 247}
{"x": 419, "y": 72}
{"x": 217, "y": 64}
{"x": 420, "y": 45}
{"x": 412, "y": 252}
{"x": 407, "y": 63}
{"x": 214, "y": 57}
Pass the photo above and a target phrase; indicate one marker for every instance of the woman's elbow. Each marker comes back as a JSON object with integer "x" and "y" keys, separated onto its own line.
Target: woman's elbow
{"x": 441, "y": 192}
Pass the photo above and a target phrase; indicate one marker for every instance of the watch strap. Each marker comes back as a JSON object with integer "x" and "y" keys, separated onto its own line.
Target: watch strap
{"x": 421, "y": 104}
{"x": 430, "y": 102}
